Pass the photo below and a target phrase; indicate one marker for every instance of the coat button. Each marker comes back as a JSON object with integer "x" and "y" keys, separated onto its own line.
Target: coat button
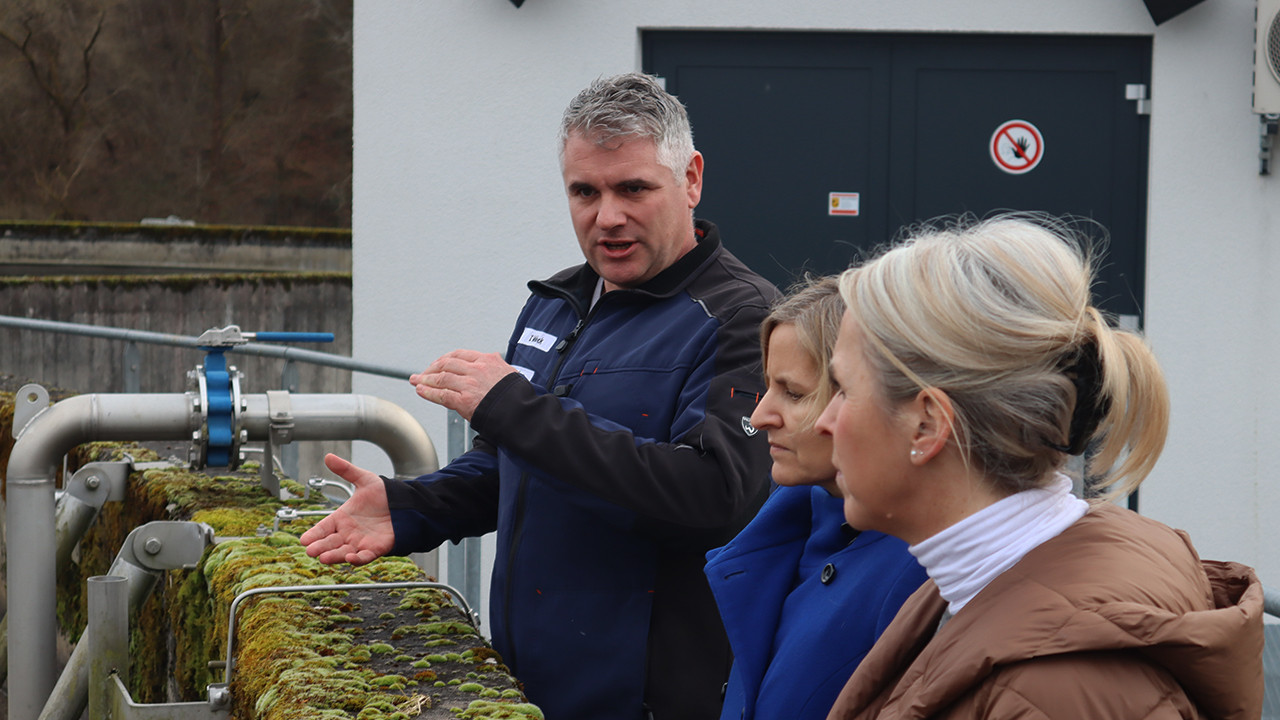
{"x": 828, "y": 574}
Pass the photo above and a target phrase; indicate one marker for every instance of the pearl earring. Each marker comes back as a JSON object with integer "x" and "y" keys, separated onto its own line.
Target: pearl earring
{"x": 915, "y": 454}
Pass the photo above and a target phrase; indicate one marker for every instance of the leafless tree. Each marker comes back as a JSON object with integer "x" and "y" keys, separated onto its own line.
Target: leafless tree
{"x": 223, "y": 111}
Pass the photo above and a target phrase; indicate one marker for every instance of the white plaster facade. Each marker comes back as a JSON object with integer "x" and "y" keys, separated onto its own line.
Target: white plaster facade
{"x": 457, "y": 202}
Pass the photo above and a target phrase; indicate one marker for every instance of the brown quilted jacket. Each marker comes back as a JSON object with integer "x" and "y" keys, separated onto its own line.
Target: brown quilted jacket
{"x": 1117, "y": 617}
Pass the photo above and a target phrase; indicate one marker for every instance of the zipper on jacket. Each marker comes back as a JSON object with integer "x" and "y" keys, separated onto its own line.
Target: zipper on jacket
{"x": 566, "y": 344}
{"x": 567, "y": 340}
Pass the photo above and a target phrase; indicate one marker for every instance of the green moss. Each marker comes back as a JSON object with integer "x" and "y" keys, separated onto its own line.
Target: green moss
{"x": 73, "y": 229}
{"x": 497, "y": 710}
{"x": 436, "y": 628}
{"x": 296, "y": 654}
{"x": 391, "y": 682}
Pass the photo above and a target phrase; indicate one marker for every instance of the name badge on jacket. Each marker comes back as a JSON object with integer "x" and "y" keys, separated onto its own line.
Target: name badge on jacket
{"x": 538, "y": 339}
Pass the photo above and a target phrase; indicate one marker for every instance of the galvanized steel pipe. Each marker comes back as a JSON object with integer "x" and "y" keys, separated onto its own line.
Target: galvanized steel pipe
{"x": 33, "y": 466}
{"x": 107, "y": 637}
{"x": 351, "y": 417}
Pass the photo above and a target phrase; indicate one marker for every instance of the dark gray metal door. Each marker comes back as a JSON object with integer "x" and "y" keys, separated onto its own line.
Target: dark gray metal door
{"x": 917, "y": 126}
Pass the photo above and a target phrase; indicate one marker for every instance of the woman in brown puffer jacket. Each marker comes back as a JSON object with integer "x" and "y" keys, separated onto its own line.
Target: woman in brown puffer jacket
{"x": 970, "y": 365}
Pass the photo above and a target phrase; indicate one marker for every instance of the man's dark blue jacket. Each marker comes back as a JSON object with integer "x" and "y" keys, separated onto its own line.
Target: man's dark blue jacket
{"x": 609, "y": 464}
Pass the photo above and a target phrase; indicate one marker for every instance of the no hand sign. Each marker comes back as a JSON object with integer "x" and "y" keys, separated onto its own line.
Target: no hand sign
{"x": 1017, "y": 147}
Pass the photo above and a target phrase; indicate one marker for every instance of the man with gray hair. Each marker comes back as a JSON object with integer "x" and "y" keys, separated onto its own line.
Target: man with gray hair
{"x": 614, "y": 445}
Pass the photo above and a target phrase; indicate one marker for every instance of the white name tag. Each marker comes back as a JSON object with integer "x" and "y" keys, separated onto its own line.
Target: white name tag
{"x": 538, "y": 339}
{"x": 526, "y": 372}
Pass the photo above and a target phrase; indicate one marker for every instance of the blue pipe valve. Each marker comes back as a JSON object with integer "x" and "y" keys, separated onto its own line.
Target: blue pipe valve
{"x": 220, "y": 390}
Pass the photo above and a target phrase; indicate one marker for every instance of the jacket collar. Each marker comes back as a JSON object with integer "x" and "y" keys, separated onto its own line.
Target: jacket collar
{"x": 576, "y": 284}
{"x": 1045, "y": 606}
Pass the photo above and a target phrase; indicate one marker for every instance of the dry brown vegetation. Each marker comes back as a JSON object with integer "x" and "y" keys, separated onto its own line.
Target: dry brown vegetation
{"x": 219, "y": 111}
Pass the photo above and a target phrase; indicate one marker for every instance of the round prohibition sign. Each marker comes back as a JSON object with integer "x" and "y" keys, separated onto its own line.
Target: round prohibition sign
{"x": 1017, "y": 147}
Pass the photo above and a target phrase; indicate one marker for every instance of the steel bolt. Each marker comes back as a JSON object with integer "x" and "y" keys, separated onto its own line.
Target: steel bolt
{"x": 219, "y": 696}
{"x": 153, "y": 546}
{"x": 92, "y": 482}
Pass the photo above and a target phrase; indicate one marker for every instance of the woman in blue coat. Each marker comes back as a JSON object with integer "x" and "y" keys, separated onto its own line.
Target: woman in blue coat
{"x": 803, "y": 596}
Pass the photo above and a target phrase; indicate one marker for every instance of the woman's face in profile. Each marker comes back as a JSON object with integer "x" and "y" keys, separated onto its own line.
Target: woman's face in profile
{"x": 801, "y": 456}
{"x": 871, "y": 448}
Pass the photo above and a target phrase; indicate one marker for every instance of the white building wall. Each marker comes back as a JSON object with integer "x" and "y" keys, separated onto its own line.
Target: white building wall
{"x": 457, "y": 201}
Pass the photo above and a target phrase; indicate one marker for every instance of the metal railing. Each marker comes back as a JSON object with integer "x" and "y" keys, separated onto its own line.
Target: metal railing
{"x": 131, "y": 338}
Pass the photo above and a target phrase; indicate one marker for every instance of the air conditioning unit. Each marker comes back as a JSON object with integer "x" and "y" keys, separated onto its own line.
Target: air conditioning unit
{"x": 1266, "y": 58}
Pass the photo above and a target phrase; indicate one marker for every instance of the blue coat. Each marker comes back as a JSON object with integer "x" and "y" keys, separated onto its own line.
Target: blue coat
{"x": 608, "y": 466}
{"x": 803, "y": 597}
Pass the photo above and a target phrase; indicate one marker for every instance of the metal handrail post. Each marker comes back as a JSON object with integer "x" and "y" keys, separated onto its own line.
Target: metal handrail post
{"x": 132, "y": 368}
{"x": 107, "y": 638}
{"x": 464, "y": 556}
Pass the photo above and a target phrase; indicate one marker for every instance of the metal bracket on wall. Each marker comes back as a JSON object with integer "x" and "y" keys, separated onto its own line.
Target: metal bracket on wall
{"x": 167, "y": 544}
{"x": 30, "y": 401}
{"x": 1138, "y": 93}
{"x": 1269, "y": 127}
{"x": 100, "y": 482}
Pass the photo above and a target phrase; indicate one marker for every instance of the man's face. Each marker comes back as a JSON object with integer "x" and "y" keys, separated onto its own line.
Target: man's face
{"x": 632, "y": 216}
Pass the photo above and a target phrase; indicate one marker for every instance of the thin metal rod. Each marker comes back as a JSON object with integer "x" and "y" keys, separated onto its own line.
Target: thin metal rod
{"x": 154, "y": 338}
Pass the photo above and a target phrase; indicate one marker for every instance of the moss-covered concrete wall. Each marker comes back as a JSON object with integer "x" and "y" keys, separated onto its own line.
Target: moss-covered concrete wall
{"x": 365, "y": 654}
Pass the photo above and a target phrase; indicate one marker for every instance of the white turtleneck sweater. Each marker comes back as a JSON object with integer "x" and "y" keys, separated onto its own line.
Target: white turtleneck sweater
{"x": 964, "y": 558}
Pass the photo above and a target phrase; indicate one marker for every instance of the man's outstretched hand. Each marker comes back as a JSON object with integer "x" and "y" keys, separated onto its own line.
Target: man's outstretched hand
{"x": 359, "y": 531}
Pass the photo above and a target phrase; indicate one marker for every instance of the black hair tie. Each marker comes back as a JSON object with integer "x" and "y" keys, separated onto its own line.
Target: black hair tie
{"x": 1084, "y": 369}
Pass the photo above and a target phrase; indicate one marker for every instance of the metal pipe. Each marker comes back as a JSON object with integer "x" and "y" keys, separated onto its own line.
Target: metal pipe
{"x": 313, "y": 357}
{"x": 75, "y": 687}
{"x": 47, "y": 437}
{"x": 1271, "y": 601}
{"x": 351, "y": 417}
{"x": 33, "y": 466}
{"x": 72, "y": 518}
{"x": 75, "y": 509}
{"x": 107, "y": 636}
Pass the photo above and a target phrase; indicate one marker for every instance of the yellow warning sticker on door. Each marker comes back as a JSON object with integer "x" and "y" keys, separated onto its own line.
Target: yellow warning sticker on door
{"x": 842, "y": 203}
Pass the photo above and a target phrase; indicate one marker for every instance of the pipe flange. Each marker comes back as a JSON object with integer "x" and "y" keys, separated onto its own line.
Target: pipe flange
{"x": 220, "y": 400}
